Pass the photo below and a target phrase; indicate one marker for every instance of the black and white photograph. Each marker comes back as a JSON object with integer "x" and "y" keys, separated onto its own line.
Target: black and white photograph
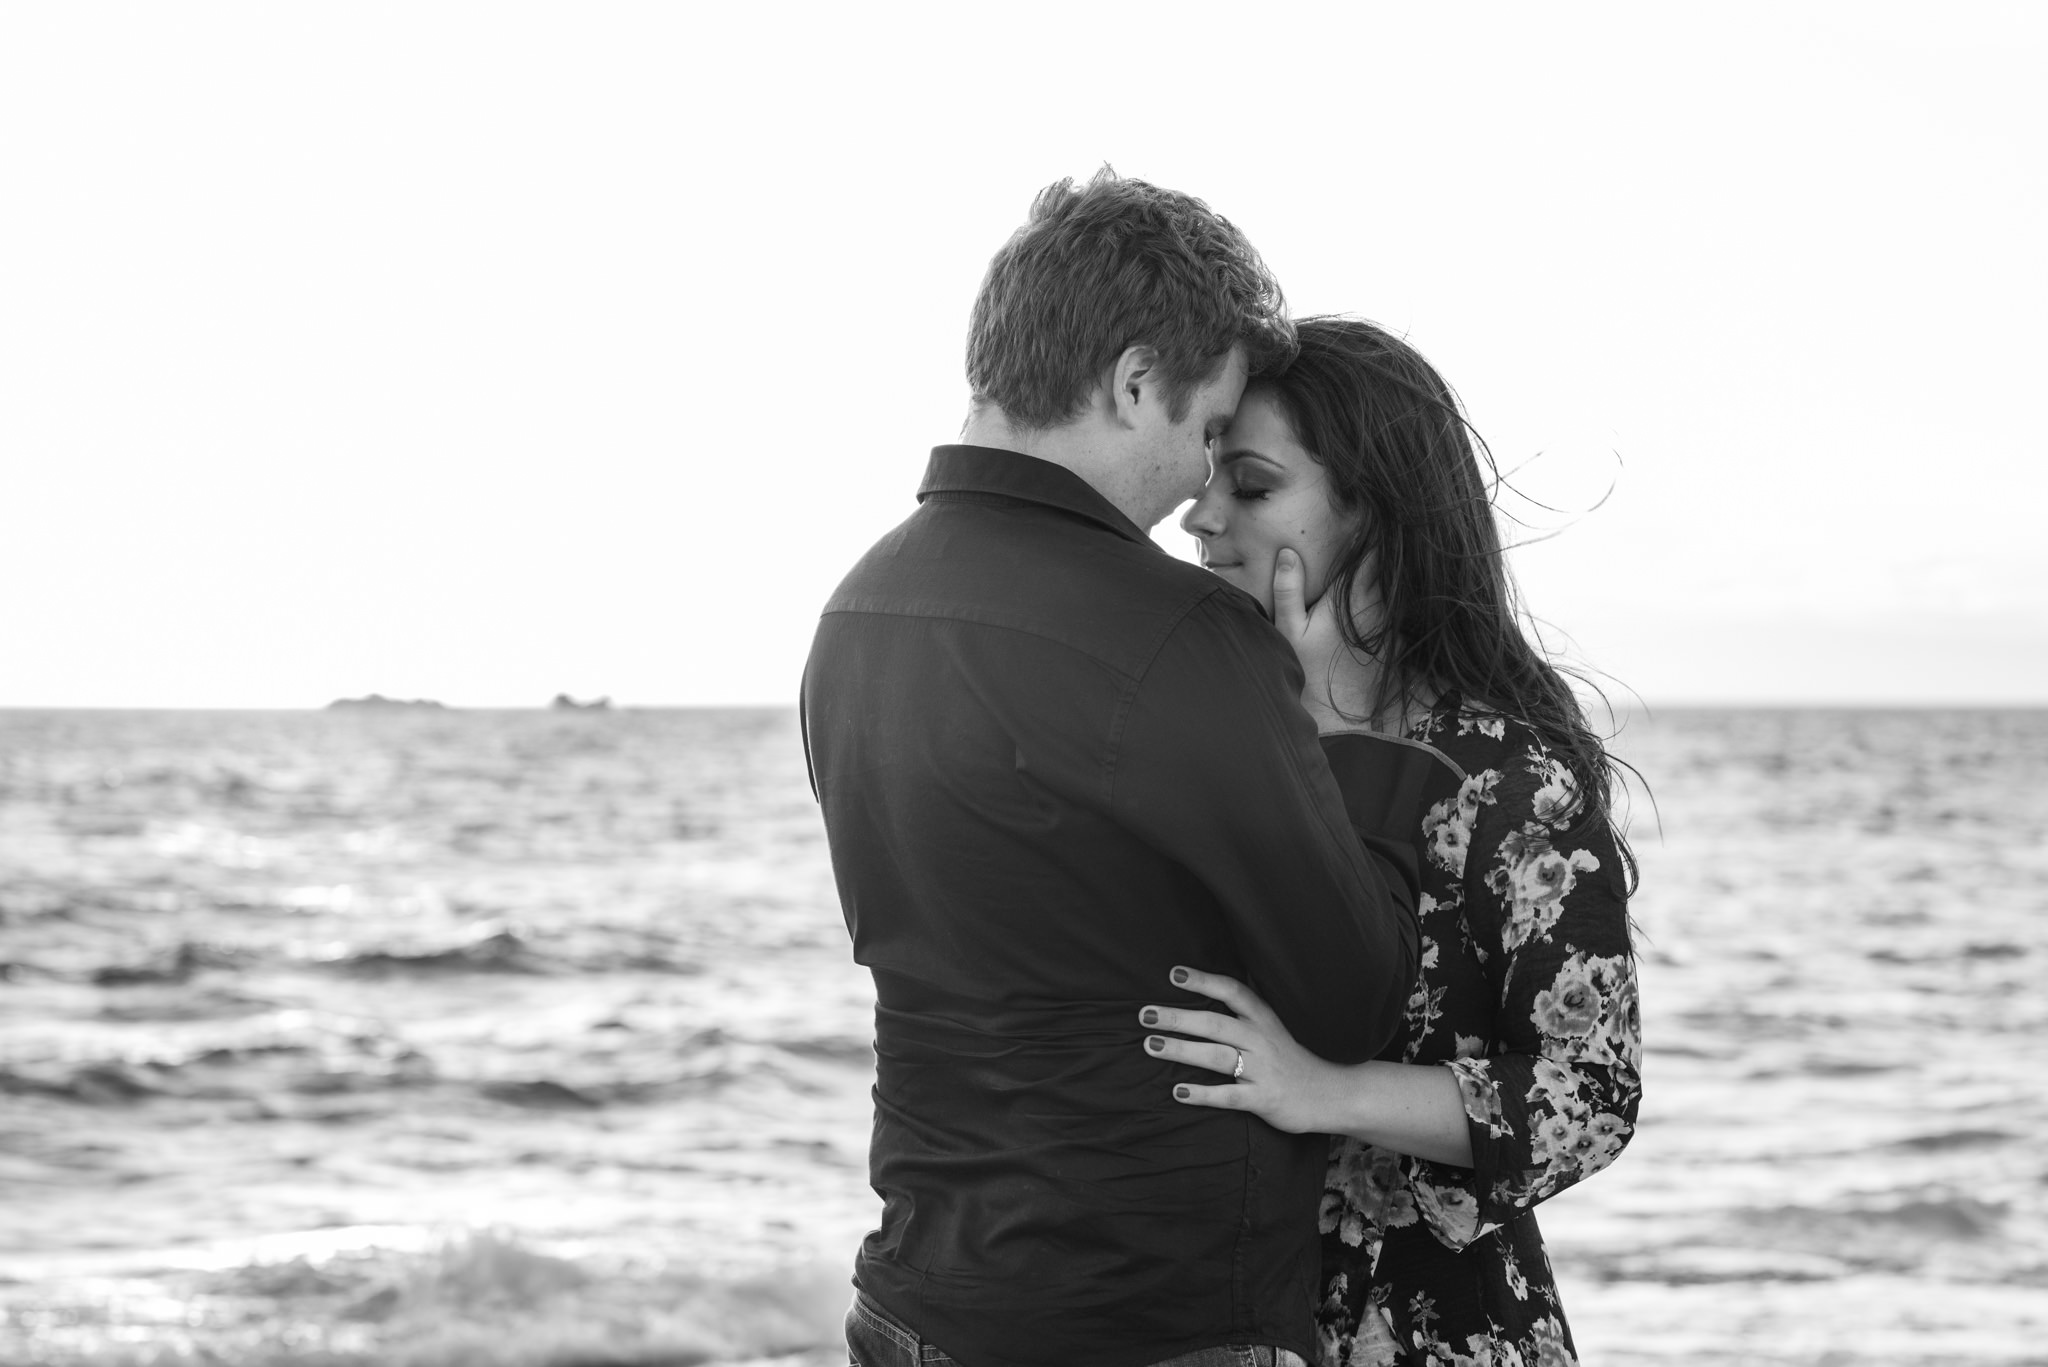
{"x": 1023, "y": 686}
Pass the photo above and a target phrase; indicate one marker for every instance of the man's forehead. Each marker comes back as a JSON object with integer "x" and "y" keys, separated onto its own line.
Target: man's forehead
{"x": 1234, "y": 367}
{"x": 1229, "y": 383}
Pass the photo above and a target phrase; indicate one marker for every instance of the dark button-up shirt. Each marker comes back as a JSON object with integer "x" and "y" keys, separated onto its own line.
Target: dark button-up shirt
{"x": 1054, "y": 762}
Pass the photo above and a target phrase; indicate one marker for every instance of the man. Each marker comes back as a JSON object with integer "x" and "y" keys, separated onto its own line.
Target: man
{"x": 1054, "y": 763}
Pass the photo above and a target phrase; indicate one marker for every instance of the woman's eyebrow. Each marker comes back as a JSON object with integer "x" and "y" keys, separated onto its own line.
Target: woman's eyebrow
{"x": 1246, "y": 453}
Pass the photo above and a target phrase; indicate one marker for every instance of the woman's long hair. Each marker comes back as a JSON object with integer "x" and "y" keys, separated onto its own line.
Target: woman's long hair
{"x": 1401, "y": 455}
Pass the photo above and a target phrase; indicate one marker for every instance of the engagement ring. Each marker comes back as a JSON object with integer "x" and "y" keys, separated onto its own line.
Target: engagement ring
{"x": 1238, "y": 1071}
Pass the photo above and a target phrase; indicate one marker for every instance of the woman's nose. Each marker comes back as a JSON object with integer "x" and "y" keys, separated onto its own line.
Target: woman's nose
{"x": 1202, "y": 517}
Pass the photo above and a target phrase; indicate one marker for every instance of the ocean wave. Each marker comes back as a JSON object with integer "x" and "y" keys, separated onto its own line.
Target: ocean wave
{"x": 283, "y": 1056}
{"x": 831, "y": 1048}
{"x": 541, "y": 1094}
{"x": 180, "y": 1003}
{"x": 95, "y": 1084}
{"x": 1865, "y": 1232}
{"x": 281, "y": 1079}
{"x": 499, "y": 951}
{"x": 483, "y": 1298}
{"x": 491, "y": 948}
{"x": 1948, "y": 1141}
{"x": 177, "y": 966}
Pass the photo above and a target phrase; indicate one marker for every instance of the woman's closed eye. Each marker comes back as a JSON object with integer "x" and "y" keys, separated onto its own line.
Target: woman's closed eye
{"x": 1248, "y": 493}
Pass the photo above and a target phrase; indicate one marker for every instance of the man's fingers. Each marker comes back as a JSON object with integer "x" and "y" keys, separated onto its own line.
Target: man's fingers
{"x": 1290, "y": 611}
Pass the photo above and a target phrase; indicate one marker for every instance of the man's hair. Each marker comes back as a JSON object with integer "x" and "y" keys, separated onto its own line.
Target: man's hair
{"x": 1113, "y": 264}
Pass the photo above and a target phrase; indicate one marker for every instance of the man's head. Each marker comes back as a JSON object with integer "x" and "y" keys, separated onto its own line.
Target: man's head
{"x": 1131, "y": 306}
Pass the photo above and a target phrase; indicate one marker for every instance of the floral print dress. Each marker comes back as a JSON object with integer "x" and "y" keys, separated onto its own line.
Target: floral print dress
{"x": 1527, "y": 993}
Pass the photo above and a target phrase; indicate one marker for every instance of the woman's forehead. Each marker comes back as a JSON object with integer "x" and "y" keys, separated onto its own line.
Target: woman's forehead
{"x": 1261, "y": 427}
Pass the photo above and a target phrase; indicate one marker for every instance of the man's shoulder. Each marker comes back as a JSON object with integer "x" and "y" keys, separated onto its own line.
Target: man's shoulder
{"x": 1042, "y": 573}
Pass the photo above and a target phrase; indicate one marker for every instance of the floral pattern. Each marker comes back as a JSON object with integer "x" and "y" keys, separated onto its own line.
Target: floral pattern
{"x": 1527, "y": 994}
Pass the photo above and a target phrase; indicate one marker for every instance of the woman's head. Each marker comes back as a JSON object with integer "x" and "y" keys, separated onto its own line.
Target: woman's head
{"x": 1359, "y": 457}
{"x": 1266, "y": 490}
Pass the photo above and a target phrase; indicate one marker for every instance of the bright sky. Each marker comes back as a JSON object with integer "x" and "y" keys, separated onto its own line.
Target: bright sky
{"x": 486, "y": 351}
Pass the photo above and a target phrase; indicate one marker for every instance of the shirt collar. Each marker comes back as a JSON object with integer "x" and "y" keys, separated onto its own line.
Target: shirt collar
{"x": 1012, "y": 474}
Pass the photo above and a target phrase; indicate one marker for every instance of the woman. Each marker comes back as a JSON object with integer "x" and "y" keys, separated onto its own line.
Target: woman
{"x": 1352, "y": 478}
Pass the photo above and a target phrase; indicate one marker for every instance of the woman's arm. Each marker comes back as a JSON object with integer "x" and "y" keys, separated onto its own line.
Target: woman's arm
{"x": 1553, "y": 1097}
{"x": 1409, "y": 1108}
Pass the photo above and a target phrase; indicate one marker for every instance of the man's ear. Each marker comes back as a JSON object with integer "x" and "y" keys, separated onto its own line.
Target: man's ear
{"x": 1134, "y": 384}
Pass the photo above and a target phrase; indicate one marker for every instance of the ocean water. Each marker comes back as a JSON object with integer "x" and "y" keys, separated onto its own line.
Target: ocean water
{"x": 481, "y": 1038}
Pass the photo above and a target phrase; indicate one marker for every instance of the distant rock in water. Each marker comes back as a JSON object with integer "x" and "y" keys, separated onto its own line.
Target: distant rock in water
{"x": 564, "y": 703}
{"x": 377, "y": 701}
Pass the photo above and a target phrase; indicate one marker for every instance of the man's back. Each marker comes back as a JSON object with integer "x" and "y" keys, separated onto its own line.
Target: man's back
{"x": 1053, "y": 763}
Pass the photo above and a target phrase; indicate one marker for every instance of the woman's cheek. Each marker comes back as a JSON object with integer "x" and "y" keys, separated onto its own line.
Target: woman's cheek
{"x": 1314, "y": 574}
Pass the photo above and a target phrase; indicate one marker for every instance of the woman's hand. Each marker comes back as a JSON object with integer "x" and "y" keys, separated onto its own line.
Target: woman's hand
{"x": 1280, "y": 1082}
{"x": 1337, "y": 682}
{"x": 1407, "y": 1107}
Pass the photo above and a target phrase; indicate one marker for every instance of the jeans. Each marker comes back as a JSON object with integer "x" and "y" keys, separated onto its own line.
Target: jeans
{"x": 874, "y": 1338}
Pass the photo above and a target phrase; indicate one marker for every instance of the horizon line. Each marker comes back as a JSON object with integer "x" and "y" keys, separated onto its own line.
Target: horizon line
{"x": 420, "y": 706}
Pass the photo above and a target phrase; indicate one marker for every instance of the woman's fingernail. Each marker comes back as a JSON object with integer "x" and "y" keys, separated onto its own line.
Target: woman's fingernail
{"x": 1286, "y": 559}
{"x": 1154, "y": 1043}
{"x": 1148, "y": 1017}
{"x": 1180, "y": 977}
{"x": 1180, "y": 1094}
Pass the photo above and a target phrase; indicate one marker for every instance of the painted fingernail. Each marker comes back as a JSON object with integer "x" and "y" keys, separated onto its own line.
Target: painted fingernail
{"x": 1180, "y": 977}
{"x": 1180, "y": 1094}
{"x": 1154, "y": 1043}
{"x": 1148, "y": 1017}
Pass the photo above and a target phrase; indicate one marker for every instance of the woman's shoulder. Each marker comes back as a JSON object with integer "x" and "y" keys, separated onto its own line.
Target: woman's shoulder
{"x": 1504, "y": 758}
{"x": 1523, "y": 831}
{"x": 1478, "y": 737}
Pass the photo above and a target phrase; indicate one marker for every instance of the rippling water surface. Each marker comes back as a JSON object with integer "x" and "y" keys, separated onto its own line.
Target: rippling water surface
{"x": 518, "y": 1038}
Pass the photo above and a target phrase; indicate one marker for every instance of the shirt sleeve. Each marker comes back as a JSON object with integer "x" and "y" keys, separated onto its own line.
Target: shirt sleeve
{"x": 1219, "y": 767}
{"x": 1553, "y": 1099}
